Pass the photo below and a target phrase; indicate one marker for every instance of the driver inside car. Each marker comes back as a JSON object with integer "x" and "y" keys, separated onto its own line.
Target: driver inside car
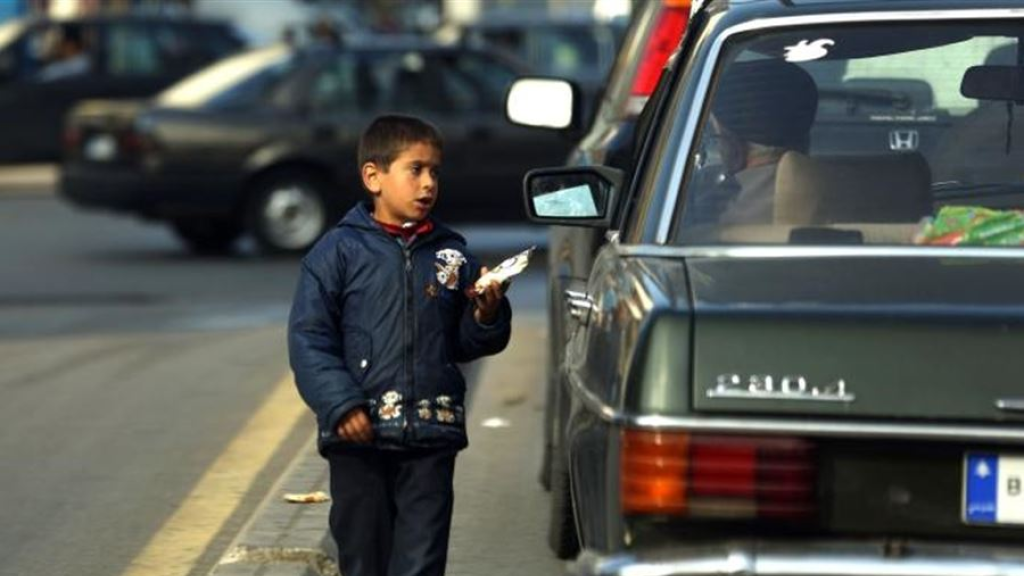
{"x": 761, "y": 110}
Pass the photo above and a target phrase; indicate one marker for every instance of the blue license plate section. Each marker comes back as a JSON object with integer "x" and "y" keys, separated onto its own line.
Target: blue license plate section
{"x": 993, "y": 488}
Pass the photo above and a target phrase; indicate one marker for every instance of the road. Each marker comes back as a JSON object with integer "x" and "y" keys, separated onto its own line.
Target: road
{"x": 134, "y": 373}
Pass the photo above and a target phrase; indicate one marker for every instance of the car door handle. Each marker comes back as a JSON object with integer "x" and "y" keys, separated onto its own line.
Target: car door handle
{"x": 580, "y": 305}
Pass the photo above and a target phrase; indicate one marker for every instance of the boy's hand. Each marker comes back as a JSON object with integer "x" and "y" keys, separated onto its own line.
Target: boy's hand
{"x": 488, "y": 301}
{"x": 355, "y": 426}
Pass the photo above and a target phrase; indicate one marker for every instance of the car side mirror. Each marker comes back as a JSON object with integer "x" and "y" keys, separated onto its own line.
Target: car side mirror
{"x": 572, "y": 196}
{"x": 1005, "y": 83}
{"x": 543, "y": 103}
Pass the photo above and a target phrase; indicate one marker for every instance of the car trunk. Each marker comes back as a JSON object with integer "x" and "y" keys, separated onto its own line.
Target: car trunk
{"x": 895, "y": 338}
{"x": 103, "y": 132}
{"x": 926, "y": 341}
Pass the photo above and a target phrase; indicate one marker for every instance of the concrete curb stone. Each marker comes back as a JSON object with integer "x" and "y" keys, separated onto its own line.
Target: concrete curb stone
{"x": 285, "y": 539}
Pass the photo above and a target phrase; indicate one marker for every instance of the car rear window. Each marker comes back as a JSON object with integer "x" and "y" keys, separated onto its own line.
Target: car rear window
{"x": 861, "y": 134}
{"x": 233, "y": 80}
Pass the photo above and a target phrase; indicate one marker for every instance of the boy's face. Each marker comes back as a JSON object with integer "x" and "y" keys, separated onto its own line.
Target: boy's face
{"x": 407, "y": 190}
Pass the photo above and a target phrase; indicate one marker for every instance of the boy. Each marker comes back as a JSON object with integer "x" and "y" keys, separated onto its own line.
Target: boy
{"x": 381, "y": 315}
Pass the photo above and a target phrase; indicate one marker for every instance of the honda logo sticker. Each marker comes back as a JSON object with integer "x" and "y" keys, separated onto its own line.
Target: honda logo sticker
{"x": 904, "y": 140}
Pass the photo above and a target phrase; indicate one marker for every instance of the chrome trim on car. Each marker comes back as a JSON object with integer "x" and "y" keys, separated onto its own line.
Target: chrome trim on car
{"x": 708, "y": 67}
{"x": 805, "y": 426}
{"x": 769, "y": 252}
{"x": 1010, "y": 404}
{"x": 821, "y": 558}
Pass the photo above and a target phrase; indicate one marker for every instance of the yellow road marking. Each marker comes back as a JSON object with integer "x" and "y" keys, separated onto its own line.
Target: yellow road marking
{"x": 175, "y": 548}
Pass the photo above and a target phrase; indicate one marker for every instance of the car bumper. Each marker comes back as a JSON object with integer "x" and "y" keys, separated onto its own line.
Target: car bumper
{"x": 124, "y": 189}
{"x": 857, "y": 558}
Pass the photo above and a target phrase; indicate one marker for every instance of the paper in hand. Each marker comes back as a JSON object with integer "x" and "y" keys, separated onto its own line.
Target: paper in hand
{"x": 504, "y": 271}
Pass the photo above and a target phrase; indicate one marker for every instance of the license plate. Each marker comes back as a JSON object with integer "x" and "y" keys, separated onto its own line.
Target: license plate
{"x": 100, "y": 148}
{"x": 993, "y": 488}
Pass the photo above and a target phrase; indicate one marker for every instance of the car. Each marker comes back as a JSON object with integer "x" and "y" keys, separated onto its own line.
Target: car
{"x": 796, "y": 354}
{"x": 47, "y": 65}
{"x": 265, "y": 143}
{"x": 654, "y": 32}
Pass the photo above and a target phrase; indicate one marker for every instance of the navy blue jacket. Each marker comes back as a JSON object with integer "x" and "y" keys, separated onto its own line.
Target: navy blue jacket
{"x": 382, "y": 324}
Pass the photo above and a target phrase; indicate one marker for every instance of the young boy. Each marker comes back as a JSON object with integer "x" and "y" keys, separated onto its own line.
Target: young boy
{"x": 381, "y": 315}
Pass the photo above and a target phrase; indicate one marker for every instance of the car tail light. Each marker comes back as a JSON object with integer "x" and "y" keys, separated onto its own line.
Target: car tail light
{"x": 662, "y": 41}
{"x": 133, "y": 142}
{"x": 700, "y": 476}
{"x": 72, "y": 138}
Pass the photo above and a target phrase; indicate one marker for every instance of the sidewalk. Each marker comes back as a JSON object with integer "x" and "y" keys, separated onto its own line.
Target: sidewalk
{"x": 496, "y": 501}
{"x": 27, "y": 179}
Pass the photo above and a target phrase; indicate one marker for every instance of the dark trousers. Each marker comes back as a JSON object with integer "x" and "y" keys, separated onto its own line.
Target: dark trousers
{"x": 391, "y": 511}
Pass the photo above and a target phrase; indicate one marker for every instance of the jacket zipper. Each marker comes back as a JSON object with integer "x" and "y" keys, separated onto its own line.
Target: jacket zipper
{"x": 409, "y": 330}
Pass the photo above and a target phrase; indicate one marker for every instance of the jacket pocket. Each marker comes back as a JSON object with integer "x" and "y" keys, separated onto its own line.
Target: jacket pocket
{"x": 358, "y": 351}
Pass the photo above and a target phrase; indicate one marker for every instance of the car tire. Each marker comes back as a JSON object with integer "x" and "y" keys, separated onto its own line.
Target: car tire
{"x": 288, "y": 211}
{"x": 207, "y": 235}
{"x": 562, "y": 537}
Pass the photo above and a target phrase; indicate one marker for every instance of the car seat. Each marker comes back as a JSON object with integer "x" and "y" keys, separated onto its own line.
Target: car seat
{"x": 817, "y": 191}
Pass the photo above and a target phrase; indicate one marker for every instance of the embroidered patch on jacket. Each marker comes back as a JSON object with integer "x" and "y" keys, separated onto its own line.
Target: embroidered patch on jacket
{"x": 391, "y": 408}
{"x": 449, "y": 262}
{"x": 445, "y": 412}
{"x": 423, "y": 409}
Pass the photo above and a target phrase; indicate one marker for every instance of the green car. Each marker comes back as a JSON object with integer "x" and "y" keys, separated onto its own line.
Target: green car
{"x": 797, "y": 352}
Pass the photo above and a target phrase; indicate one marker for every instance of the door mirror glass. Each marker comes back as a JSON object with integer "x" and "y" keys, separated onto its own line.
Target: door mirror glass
{"x": 574, "y": 196}
{"x": 541, "y": 103}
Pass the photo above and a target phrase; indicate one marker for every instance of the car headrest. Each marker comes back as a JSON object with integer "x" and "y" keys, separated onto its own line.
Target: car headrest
{"x": 834, "y": 189}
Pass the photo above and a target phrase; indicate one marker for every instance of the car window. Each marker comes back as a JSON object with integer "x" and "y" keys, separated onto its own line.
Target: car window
{"x": 134, "y": 50}
{"x": 564, "y": 52}
{"x": 344, "y": 84}
{"x": 411, "y": 81}
{"x": 237, "y": 80}
{"x": 489, "y": 77}
{"x": 854, "y": 135}
{"x": 58, "y": 51}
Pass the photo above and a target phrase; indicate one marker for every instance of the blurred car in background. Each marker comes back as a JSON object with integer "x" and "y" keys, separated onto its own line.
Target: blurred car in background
{"x": 654, "y": 33}
{"x": 581, "y": 49}
{"x": 265, "y": 142}
{"x": 46, "y": 66}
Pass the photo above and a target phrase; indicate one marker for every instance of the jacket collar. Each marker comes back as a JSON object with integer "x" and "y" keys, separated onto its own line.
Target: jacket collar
{"x": 359, "y": 217}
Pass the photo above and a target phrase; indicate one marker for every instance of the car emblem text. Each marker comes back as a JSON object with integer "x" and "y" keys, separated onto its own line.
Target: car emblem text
{"x": 767, "y": 387}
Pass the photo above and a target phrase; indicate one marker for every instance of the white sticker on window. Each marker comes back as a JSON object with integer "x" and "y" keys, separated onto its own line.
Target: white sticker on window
{"x": 805, "y": 50}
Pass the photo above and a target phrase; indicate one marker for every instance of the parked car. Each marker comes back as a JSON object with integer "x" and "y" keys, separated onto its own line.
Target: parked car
{"x": 577, "y": 48}
{"x": 777, "y": 365}
{"x": 266, "y": 142}
{"x": 656, "y": 28}
{"x": 46, "y": 66}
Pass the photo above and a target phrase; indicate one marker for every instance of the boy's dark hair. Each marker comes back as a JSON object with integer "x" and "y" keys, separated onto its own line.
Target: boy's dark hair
{"x": 386, "y": 137}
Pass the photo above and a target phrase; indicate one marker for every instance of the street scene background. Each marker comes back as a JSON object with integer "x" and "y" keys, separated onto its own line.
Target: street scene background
{"x": 149, "y": 421}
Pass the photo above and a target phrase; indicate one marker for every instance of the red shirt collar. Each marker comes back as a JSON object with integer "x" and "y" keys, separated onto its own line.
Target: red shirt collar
{"x": 407, "y": 232}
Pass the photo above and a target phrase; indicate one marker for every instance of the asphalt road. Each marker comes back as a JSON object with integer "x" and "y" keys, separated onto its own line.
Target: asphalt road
{"x": 129, "y": 366}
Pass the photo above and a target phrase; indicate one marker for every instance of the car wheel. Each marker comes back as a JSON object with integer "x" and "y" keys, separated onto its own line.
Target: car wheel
{"x": 562, "y": 537}
{"x": 207, "y": 235}
{"x": 288, "y": 212}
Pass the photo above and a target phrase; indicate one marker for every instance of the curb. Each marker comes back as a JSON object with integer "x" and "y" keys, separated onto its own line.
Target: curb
{"x": 284, "y": 539}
